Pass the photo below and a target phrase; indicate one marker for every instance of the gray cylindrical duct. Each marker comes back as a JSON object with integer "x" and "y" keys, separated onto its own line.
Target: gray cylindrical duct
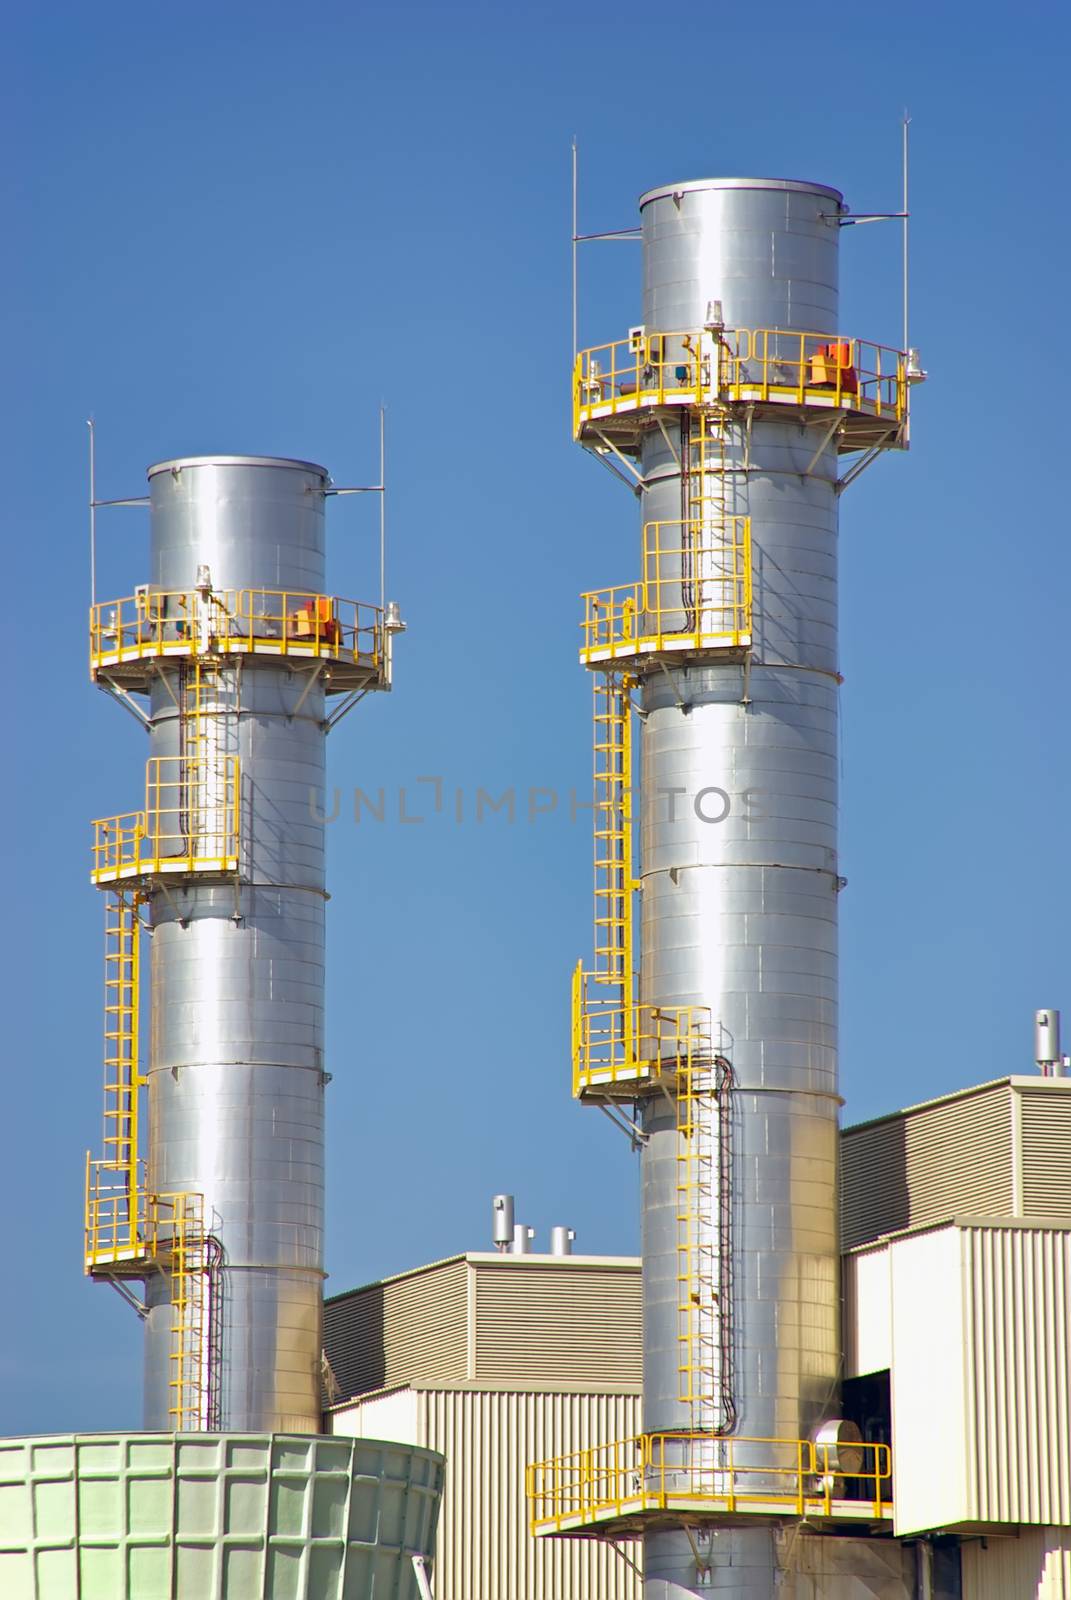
{"x": 522, "y": 1240}
{"x": 236, "y": 1078}
{"x": 502, "y": 1221}
{"x": 561, "y": 1241}
{"x": 1046, "y": 1038}
{"x": 739, "y": 849}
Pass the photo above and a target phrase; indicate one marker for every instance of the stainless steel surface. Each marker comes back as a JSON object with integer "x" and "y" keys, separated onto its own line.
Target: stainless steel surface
{"x": 778, "y": 185}
{"x": 840, "y": 1441}
{"x": 1046, "y": 1038}
{"x": 561, "y": 1241}
{"x": 739, "y": 855}
{"x": 754, "y": 1564}
{"x": 767, "y": 251}
{"x": 255, "y": 523}
{"x": 236, "y": 1078}
{"x": 181, "y": 462}
{"x": 522, "y": 1240}
{"x": 502, "y": 1221}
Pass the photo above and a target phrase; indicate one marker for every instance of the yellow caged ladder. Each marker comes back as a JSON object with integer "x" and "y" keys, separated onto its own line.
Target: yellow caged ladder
{"x": 614, "y": 882}
{"x": 122, "y": 1077}
{"x": 130, "y": 1231}
{"x": 184, "y": 1245}
{"x": 705, "y": 1329}
{"x": 697, "y": 1289}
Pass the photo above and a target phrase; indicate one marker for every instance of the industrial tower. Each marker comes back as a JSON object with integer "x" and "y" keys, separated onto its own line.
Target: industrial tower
{"x": 208, "y": 1195}
{"x": 238, "y": 664}
{"x": 738, "y": 412}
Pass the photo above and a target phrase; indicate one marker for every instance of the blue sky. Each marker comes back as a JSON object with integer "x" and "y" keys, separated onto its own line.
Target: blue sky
{"x": 241, "y": 228}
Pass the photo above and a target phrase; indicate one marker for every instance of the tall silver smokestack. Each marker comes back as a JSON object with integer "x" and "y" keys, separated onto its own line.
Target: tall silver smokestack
{"x": 732, "y": 405}
{"x": 236, "y": 1080}
{"x": 739, "y": 873}
{"x": 235, "y": 647}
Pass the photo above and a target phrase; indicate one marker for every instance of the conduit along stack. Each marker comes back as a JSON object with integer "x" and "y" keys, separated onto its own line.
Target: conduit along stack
{"x": 205, "y": 1206}
{"x": 738, "y": 411}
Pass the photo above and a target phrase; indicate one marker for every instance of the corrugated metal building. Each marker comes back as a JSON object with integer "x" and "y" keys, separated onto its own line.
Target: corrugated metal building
{"x": 1002, "y": 1149}
{"x": 957, "y": 1288}
{"x": 498, "y": 1360}
{"x": 957, "y": 1284}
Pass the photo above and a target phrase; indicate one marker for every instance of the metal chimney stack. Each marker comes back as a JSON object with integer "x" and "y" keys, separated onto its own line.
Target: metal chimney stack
{"x": 238, "y": 663}
{"x": 738, "y": 412}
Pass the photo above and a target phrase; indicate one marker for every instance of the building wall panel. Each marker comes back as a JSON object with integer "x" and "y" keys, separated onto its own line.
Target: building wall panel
{"x": 929, "y": 1420}
{"x": 1017, "y": 1290}
{"x": 485, "y": 1551}
{"x": 927, "y": 1165}
{"x": 867, "y": 1320}
{"x": 541, "y": 1326}
{"x": 1034, "y": 1566}
{"x": 406, "y": 1330}
{"x": 1046, "y": 1147}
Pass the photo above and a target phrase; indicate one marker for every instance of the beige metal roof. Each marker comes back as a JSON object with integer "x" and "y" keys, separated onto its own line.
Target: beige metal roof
{"x": 999, "y": 1149}
{"x": 552, "y": 1324}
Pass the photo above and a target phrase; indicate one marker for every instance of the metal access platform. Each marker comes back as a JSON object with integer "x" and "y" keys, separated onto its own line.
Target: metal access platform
{"x": 130, "y": 635}
{"x": 632, "y": 1486}
{"x": 863, "y": 386}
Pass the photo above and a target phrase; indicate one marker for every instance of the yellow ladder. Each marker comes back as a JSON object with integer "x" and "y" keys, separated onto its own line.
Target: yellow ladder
{"x": 708, "y": 487}
{"x": 183, "y": 1253}
{"x": 697, "y": 1288}
{"x": 208, "y": 775}
{"x": 705, "y": 1329}
{"x": 122, "y": 1077}
{"x": 194, "y": 746}
{"x": 706, "y": 553}
{"x": 614, "y": 881}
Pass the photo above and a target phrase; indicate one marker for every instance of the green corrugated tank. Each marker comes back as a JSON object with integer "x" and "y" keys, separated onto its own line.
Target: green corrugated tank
{"x": 210, "y": 1516}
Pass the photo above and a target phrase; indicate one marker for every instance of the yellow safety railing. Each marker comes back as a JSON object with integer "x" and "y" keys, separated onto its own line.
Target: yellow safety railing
{"x": 809, "y": 368}
{"x": 665, "y": 1471}
{"x": 190, "y": 822}
{"x": 696, "y": 594}
{"x": 190, "y": 622}
{"x": 615, "y": 1044}
{"x": 650, "y": 370}
{"x": 132, "y": 1233}
{"x": 117, "y": 1228}
{"x": 701, "y": 367}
